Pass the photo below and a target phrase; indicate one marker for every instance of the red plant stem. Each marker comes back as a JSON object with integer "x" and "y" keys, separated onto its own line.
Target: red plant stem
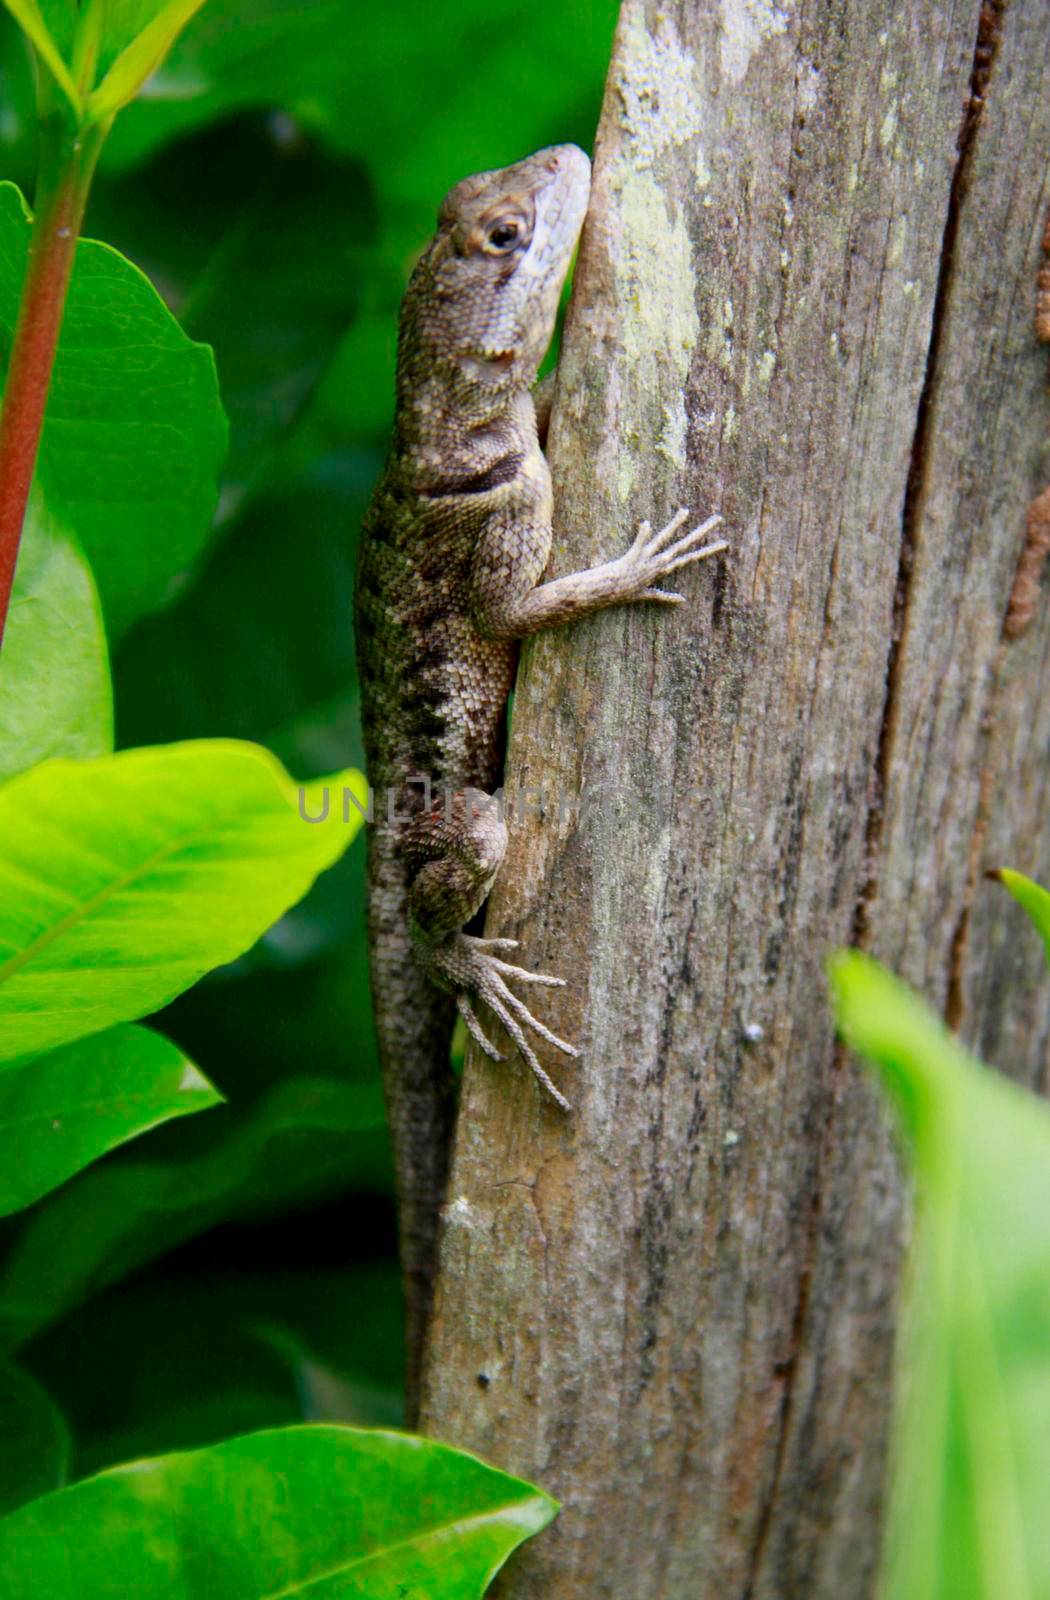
{"x": 66, "y": 164}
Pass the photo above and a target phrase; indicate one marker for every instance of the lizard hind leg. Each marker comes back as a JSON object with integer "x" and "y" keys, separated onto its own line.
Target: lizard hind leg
{"x": 458, "y": 849}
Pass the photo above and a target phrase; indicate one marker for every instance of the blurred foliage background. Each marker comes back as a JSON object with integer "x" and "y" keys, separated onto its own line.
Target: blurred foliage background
{"x": 236, "y": 1269}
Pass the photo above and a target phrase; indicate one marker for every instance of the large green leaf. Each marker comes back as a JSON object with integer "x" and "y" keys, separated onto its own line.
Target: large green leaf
{"x": 34, "y": 1441}
{"x": 62, "y": 1110}
{"x": 55, "y": 697}
{"x": 306, "y": 1140}
{"x": 333, "y": 1513}
{"x": 134, "y": 434}
{"x": 970, "y": 1515}
{"x": 124, "y": 879}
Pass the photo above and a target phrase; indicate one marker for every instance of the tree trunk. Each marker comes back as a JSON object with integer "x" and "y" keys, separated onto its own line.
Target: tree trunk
{"x": 804, "y": 298}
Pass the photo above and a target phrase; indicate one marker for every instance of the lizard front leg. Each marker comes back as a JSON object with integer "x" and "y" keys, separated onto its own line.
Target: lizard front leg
{"x": 508, "y": 609}
{"x": 457, "y": 849}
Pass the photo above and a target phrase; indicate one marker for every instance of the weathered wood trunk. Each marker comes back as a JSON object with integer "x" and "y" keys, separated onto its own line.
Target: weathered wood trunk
{"x": 804, "y": 298}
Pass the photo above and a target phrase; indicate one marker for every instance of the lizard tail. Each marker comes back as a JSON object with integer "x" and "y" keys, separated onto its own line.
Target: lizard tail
{"x": 421, "y": 1109}
{"x": 414, "y": 1021}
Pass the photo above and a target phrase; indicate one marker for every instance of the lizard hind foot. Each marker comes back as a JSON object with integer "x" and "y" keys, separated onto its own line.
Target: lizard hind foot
{"x": 469, "y": 968}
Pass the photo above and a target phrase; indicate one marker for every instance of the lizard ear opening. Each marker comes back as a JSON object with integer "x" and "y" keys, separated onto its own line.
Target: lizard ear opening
{"x": 490, "y": 366}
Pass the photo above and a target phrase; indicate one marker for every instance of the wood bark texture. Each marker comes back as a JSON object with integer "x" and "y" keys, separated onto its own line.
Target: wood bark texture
{"x": 804, "y": 298}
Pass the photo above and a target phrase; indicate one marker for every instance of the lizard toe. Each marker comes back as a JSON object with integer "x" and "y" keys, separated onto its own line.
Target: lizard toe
{"x": 483, "y": 1043}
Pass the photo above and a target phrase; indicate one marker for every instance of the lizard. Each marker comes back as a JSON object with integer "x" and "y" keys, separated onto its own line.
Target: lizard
{"x": 453, "y": 551}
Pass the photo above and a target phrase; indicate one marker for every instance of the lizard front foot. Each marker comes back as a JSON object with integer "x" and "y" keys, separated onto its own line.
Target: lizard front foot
{"x": 653, "y": 555}
{"x": 472, "y": 971}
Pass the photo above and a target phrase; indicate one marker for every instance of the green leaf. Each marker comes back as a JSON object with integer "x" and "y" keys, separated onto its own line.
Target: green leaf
{"x": 177, "y": 1362}
{"x": 258, "y": 648}
{"x": 124, "y": 879}
{"x": 60, "y": 19}
{"x": 256, "y": 1330}
{"x": 61, "y": 1111}
{"x": 134, "y": 434}
{"x": 141, "y": 57}
{"x": 122, "y": 21}
{"x": 365, "y": 410}
{"x": 30, "y": 18}
{"x": 18, "y": 125}
{"x": 260, "y": 641}
{"x": 310, "y": 59}
{"x": 334, "y": 78}
{"x": 969, "y": 1501}
{"x": 325, "y": 1511}
{"x": 280, "y": 288}
{"x": 55, "y": 697}
{"x": 1031, "y": 896}
{"x": 345, "y": 1336}
{"x": 306, "y": 1140}
{"x": 372, "y": 88}
{"x": 267, "y": 261}
{"x": 34, "y": 1442}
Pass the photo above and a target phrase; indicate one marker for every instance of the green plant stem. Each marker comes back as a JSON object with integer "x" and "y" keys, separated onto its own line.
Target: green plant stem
{"x": 67, "y": 162}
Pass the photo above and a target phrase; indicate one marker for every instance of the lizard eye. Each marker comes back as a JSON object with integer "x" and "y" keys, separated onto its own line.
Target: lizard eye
{"x": 503, "y": 236}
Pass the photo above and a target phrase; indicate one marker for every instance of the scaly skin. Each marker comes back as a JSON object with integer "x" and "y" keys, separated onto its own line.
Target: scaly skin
{"x": 453, "y": 550}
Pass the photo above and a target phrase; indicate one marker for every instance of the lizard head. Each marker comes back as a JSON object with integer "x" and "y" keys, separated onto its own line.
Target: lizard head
{"x": 484, "y": 295}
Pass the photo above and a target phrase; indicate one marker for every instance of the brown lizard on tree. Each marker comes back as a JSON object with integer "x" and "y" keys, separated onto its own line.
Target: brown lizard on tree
{"x": 454, "y": 547}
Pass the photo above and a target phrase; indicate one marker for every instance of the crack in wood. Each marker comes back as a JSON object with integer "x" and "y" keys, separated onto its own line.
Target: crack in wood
{"x": 985, "y": 50}
{"x": 955, "y": 1002}
{"x": 989, "y": 34}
